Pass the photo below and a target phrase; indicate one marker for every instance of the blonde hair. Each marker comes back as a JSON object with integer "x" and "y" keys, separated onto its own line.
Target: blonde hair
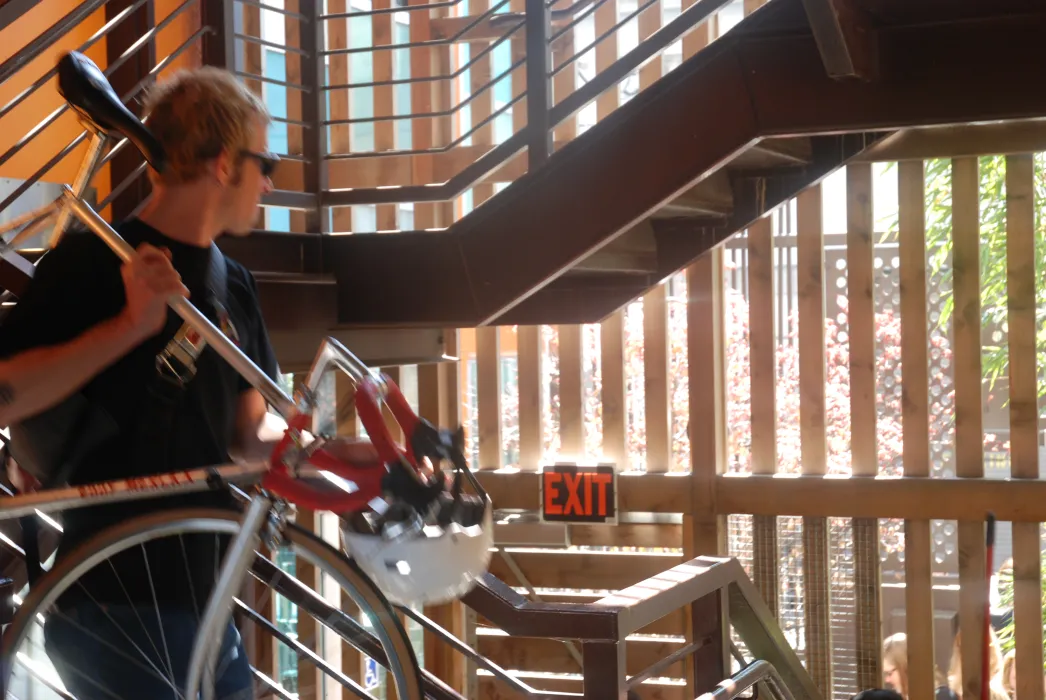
{"x": 895, "y": 652}
{"x": 1007, "y": 668}
{"x": 994, "y": 667}
{"x": 196, "y": 114}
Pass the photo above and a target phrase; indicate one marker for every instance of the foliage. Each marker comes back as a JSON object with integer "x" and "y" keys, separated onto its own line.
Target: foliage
{"x": 993, "y": 267}
{"x": 1006, "y": 634}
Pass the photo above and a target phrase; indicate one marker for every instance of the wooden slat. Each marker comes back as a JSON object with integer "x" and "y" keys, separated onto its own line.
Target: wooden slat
{"x": 860, "y": 259}
{"x": 762, "y": 340}
{"x": 252, "y": 53}
{"x": 918, "y": 566}
{"x": 672, "y": 624}
{"x": 813, "y": 442}
{"x": 969, "y": 434}
{"x": 295, "y": 137}
{"x": 571, "y": 398}
{"x": 531, "y": 391}
{"x": 339, "y": 135}
{"x": 612, "y": 368}
{"x": 491, "y": 689}
{"x": 860, "y": 295}
{"x": 422, "y": 95}
{"x": 571, "y": 569}
{"x": 1024, "y": 423}
{"x": 552, "y": 656}
{"x": 810, "y": 282}
{"x": 656, "y": 381}
{"x": 627, "y": 535}
{"x": 384, "y": 101}
{"x": 902, "y": 498}
{"x": 488, "y": 389}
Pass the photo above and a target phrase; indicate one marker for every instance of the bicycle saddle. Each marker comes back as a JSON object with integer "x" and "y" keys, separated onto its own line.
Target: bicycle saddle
{"x": 85, "y": 88}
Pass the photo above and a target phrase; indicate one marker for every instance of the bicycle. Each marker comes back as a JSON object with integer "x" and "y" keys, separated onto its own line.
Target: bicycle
{"x": 387, "y": 508}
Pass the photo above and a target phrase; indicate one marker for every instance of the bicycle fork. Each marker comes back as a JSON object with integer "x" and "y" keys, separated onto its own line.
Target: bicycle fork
{"x": 234, "y": 571}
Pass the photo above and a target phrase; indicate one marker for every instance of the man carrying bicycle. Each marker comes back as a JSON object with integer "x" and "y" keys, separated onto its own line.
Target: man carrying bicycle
{"x": 89, "y": 326}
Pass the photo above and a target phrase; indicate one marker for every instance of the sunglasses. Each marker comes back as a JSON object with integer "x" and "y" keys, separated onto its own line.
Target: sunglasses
{"x": 266, "y": 161}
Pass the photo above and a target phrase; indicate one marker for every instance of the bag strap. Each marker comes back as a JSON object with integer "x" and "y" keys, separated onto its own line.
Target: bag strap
{"x": 175, "y": 368}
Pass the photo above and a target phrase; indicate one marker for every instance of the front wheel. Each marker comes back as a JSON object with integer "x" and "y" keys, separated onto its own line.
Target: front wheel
{"x": 126, "y": 634}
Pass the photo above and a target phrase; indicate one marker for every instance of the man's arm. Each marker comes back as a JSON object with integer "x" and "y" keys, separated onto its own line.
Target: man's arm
{"x": 37, "y": 378}
{"x": 258, "y": 432}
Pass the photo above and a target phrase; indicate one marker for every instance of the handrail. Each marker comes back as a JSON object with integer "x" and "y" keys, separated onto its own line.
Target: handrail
{"x": 612, "y": 619}
{"x": 536, "y": 131}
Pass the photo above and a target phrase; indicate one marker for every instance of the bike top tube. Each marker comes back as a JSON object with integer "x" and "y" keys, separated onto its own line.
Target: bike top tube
{"x": 134, "y": 488}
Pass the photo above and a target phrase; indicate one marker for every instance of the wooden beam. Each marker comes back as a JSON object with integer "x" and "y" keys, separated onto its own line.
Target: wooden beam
{"x": 906, "y": 498}
{"x": 845, "y": 38}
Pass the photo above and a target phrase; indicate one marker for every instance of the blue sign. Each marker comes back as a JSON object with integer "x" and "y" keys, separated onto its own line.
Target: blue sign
{"x": 370, "y": 674}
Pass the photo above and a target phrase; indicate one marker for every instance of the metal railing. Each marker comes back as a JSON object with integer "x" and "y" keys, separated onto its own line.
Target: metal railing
{"x": 534, "y": 69}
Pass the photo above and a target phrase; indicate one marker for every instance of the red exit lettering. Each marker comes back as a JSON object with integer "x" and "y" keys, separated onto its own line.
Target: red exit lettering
{"x": 581, "y": 494}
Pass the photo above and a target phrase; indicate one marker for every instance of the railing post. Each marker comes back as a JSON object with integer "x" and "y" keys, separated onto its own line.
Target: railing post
{"x": 219, "y": 46}
{"x": 314, "y": 113}
{"x": 123, "y": 36}
{"x": 604, "y": 671}
{"x": 539, "y": 84}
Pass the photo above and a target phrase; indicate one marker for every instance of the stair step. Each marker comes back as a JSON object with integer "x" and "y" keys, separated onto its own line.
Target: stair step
{"x": 712, "y": 196}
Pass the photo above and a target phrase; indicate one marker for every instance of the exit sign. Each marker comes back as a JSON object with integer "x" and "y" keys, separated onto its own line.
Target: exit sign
{"x": 571, "y": 493}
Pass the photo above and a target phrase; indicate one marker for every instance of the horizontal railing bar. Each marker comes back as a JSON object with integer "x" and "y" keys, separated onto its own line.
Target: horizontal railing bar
{"x": 290, "y": 200}
{"x": 428, "y": 151}
{"x": 389, "y": 10}
{"x": 294, "y": 157}
{"x": 429, "y": 193}
{"x": 567, "y": 27}
{"x": 127, "y": 182}
{"x": 466, "y": 650}
{"x": 599, "y": 39}
{"x": 644, "y": 51}
{"x": 292, "y": 122}
{"x": 272, "y": 685}
{"x": 18, "y": 99}
{"x": 51, "y": 35}
{"x": 272, "y": 44}
{"x": 50, "y": 119}
{"x": 430, "y": 115}
{"x": 431, "y": 42}
{"x": 76, "y": 141}
{"x": 667, "y": 661}
{"x": 302, "y": 651}
{"x": 24, "y": 187}
{"x": 270, "y": 8}
{"x": 432, "y": 78}
{"x": 273, "y": 81}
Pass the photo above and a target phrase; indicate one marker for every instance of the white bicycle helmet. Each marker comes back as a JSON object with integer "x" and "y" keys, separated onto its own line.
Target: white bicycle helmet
{"x": 424, "y": 544}
{"x": 417, "y": 564}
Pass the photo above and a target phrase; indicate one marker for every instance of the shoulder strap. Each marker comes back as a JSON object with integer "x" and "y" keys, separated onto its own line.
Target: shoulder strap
{"x": 175, "y": 368}
{"x": 218, "y": 276}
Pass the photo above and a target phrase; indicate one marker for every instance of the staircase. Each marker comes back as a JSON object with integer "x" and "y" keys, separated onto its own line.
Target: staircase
{"x": 769, "y": 108}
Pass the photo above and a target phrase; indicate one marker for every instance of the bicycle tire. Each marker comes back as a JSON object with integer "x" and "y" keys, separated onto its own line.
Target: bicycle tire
{"x": 403, "y": 665}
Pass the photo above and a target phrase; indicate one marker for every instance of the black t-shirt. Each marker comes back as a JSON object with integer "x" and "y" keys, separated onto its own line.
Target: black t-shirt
{"x": 78, "y": 285}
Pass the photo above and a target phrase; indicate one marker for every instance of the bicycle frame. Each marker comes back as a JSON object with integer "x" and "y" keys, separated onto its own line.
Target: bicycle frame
{"x": 236, "y": 564}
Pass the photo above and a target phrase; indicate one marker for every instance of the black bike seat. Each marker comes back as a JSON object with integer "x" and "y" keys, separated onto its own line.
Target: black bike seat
{"x": 85, "y": 88}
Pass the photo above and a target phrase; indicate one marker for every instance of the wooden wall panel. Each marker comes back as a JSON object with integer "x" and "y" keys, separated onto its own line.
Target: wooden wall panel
{"x": 1024, "y": 423}
{"x": 969, "y": 432}
{"x": 915, "y": 421}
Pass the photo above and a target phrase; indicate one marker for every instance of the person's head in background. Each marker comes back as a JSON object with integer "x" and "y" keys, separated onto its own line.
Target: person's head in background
{"x": 955, "y": 680}
{"x": 895, "y": 663}
{"x": 1009, "y": 674}
{"x": 878, "y": 694}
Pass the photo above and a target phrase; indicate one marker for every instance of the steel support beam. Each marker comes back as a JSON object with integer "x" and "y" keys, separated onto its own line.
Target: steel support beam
{"x": 845, "y": 37}
{"x": 668, "y": 137}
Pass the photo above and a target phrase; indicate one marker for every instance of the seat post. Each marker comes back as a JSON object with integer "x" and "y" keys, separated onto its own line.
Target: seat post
{"x": 82, "y": 181}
